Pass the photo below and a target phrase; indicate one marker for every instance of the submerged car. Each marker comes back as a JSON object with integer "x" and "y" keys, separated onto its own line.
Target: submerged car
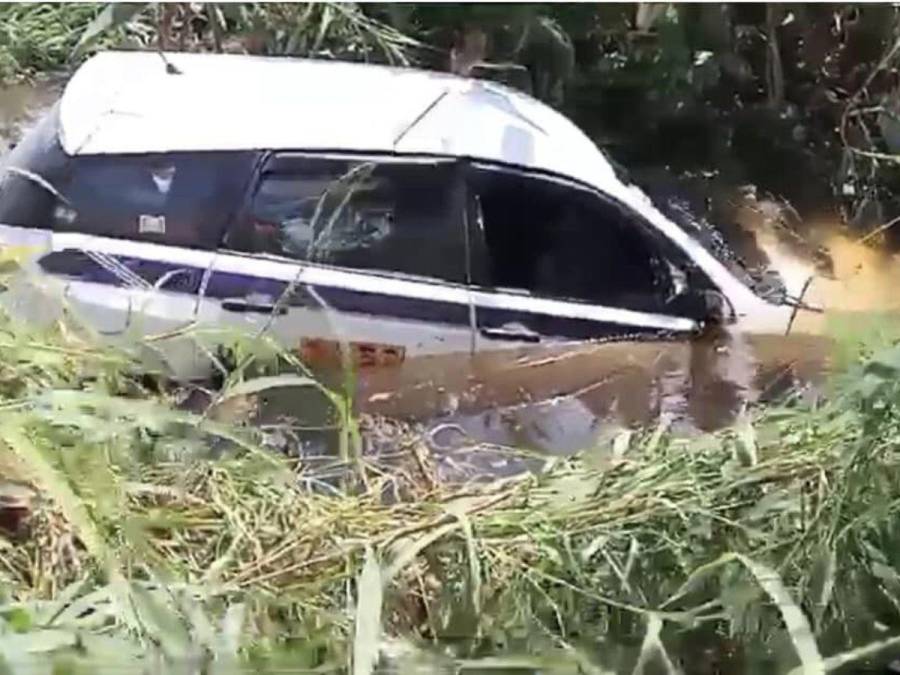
{"x": 406, "y": 212}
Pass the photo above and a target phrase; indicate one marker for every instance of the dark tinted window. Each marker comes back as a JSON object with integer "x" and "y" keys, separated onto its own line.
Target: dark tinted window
{"x": 176, "y": 198}
{"x": 558, "y": 241}
{"x": 365, "y": 215}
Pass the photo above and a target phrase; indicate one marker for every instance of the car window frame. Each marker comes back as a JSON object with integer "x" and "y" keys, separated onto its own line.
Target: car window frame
{"x": 479, "y": 255}
{"x": 242, "y": 217}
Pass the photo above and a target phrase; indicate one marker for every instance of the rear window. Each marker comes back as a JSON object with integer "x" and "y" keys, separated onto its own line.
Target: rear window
{"x": 374, "y": 215}
{"x": 180, "y": 198}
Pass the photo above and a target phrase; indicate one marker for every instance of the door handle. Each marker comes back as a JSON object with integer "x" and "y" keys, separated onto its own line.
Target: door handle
{"x": 519, "y": 333}
{"x": 247, "y": 306}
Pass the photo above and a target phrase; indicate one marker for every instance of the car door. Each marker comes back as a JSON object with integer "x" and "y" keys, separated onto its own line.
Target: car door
{"x": 553, "y": 262}
{"x": 364, "y": 251}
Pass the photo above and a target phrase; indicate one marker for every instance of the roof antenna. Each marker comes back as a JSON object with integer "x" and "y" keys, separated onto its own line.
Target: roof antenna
{"x": 163, "y": 22}
{"x": 171, "y": 68}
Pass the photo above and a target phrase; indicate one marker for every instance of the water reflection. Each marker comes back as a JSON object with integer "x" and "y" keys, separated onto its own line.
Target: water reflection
{"x": 561, "y": 400}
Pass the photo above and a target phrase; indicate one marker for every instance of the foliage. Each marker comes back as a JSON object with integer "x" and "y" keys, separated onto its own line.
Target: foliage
{"x": 49, "y": 36}
{"x": 138, "y": 533}
{"x": 154, "y": 535}
{"x": 39, "y": 37}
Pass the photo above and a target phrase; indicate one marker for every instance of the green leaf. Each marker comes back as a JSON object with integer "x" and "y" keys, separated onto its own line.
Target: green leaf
{"x": 822, "y": 585}
{"x": 19, "y": 620}
{"x": 652, "y": 647}
{"x": 107, "y": 651}
{"x": 112, "y": 16}
{"x": 36, "y": 642}
{"x": 863, "y": 653}
{"x": 798, "y": 627}
{"x": 57, "y": 486}
{"x": 261, "y": 384}
{"x": 324, "y": 24}
{"x": 408, "y": 551}
{"x": 160, "y": 620}
{"x": 745, "y": 446}
{"x": 228, "y": 643}
{"x": 794, "y": 619}
{"x": 367, "y": 637}
{"x": 472, "y": 554}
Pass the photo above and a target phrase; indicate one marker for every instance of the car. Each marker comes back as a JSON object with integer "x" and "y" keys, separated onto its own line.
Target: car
{"x": 404, "y": 212}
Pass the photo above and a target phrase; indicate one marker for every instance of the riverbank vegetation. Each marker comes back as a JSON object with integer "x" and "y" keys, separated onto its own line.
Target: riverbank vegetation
{"x": 141, "y": 535}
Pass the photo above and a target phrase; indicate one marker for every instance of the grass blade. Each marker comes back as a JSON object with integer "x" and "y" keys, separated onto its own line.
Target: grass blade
{"x": 653, "y": 646}
{"x": 794, "y": 619}
{"x": 368, "y": 617}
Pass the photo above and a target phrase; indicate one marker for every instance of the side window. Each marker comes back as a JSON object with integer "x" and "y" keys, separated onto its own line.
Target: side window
{"x": 562, "y": 242}
{"x": 391, "y": 217}
{"x": 183, "y": 199}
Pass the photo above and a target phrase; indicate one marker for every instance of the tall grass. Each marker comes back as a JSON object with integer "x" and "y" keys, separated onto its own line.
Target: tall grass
{"x": 37, "y": 38}
{"x": 151, "y": 538}
{"x": 42, "y": 37}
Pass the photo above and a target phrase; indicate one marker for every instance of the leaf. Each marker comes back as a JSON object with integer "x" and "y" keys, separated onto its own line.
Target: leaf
{"x": 56, "y": 485}
{"x": 260, "y": 384}
{"x": 62, "y": 601}
{"x": 474, "y": 563}
{"x": 161, "y": 621}
{"x": 368, "y": 617}
{"x": 324, "y": 23}
{"x": 107, "y": 651}
{"x": 229, "y": 641}
{"x": 88, "y": 611}
{"x": 798, "y": 628}
{"x": 745, "y": 445}
{"x": 411, "y": 550}
{"x": 653, "y": 646}
{"x": 19, "y": 620}
{"x": 620, "y": 445}
{"x": 113, "y": 15}
{"x": 794, "y": 619}
{"x": 863, "y": 653}
{"x": 822, "y": 585}
{"x": 36, "y": 642}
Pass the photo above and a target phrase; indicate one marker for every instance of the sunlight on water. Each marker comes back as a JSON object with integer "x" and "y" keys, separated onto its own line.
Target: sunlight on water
{"x": 864, "y": 279}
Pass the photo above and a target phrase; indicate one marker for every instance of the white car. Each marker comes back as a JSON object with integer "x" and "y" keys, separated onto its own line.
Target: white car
{"x": 406, "y": 212}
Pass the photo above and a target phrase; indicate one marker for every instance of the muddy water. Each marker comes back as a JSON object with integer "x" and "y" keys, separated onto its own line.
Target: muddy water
{"x": 567, "y": 399}
{"x": 22, "y": 104}
{"x": 560, "y": 400}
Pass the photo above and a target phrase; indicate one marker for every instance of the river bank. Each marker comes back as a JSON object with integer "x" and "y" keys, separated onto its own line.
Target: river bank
{"x": 130, "y": 524}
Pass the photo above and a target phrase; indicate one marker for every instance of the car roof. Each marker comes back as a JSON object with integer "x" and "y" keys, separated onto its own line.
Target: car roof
{"x": 126, "y": 102}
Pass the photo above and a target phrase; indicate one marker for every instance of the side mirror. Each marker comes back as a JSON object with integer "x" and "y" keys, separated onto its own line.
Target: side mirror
{"x": 702, "y": 301}
{"x": 717, "y": 309}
